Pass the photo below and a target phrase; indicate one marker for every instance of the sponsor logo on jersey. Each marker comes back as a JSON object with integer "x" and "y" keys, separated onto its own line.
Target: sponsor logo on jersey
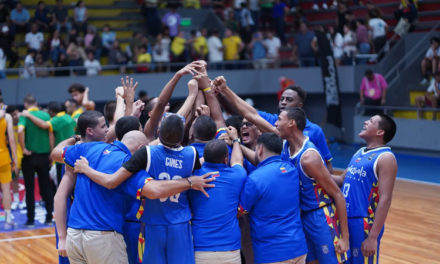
{"x": 371, "y": 156}
{"x": 359, "y": 171}
{"x": 283, "y": 170}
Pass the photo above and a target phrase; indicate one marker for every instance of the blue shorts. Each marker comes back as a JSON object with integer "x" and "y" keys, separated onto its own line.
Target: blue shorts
{"x": 322, "y": 233}
{"x": 358, "y": 228}
{"x": 168, "y": 244}
{"x": 131, "y": 231}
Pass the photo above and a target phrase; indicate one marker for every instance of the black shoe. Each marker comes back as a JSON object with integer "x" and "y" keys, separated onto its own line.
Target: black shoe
{"x": 48, "y": 220}
{"x": 30, "y": 223}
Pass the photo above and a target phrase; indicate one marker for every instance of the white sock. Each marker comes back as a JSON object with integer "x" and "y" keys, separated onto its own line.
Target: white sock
{"x": 16, "y": 197}
{"x": 8, "y": 216}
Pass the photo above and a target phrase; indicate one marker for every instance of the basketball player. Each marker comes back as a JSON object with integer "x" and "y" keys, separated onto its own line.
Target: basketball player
{"x": 323, "y": 212}
{"x": 368, "y": 188}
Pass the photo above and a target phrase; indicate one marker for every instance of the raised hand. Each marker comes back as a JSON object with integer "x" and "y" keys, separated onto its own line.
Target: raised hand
{"x": 203, "y": 110}
{"x": 232, "y": 132}
{"x": 194, "y": 68}
{"x": 129, "y": 87}
{"x": 199, "y": 183}
{"x": 138, "y": 107}
{"x": 193, "y": 87}
{"x": 342, "y": 246}
{"x": 220, "y": 84}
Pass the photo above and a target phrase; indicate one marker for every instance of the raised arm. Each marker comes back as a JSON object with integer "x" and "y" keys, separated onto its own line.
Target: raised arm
{"x": 64, "y": 190}
{"x": 58, "y": 150}
{"x": 249, "y": 154}
{"x": 243, "y": 108}
{"x": 313, "y": 166}
{"x": 37, "y": 121}
{"x": 386, "y": 170}
{"x": 88, "y": 104}
{"x": 236, "y": 155}
{"x": 164, "y": 97}
{"x": 187, "y": 106}
{"x": 214, "y": 106}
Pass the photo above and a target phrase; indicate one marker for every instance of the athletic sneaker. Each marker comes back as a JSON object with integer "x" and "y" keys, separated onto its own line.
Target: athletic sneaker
{"x": 22, "y": 205}
{"x": 14, "y": 205}
{"x": 325, "y": 6}
{"x": 315, "y": 7}
{"x": 29, "y": 223}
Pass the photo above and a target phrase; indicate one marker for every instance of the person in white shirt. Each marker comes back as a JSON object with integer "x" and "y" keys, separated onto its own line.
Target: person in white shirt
{"x": 29, "y": 67}
{"x": 431, "y": 60}
{"x": 349, "y": 45}
{"x": 431, "y": 97}
{"x": 2, "y": 64}
{"x": 215, "y": 50}
{"x": 93, "y": 67}
{"x": 273, "y": 45}
{"x": 161, "y": 51}
{"x": 34, "y": 39}
{"x": 378, "y": 28}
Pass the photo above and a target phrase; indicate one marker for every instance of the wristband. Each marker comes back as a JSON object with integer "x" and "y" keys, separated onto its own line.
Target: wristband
{"x": 207, "y": 89}
{"x": 190, "y": 183}
{"x": 236, "y": 140}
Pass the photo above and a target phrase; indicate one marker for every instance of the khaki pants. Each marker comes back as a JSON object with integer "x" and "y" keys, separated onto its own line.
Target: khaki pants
{"x": 87, "y": 246}
{"x": 297, "y": 260}
{"x": 218, "y": 257}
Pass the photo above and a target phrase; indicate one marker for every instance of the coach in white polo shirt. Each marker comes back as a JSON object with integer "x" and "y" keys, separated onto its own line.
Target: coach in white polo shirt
{"x": 34, "y": 39}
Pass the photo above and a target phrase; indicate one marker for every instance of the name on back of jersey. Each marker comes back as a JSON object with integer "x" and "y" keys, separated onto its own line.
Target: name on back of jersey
{"x": 173, "y": 163}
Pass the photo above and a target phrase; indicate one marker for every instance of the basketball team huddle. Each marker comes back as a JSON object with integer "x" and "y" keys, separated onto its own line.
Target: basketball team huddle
{"x": 183, "y": 187}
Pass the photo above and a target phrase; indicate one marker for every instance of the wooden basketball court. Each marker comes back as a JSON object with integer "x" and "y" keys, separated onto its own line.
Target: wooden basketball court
{"x": 412, "y": 233}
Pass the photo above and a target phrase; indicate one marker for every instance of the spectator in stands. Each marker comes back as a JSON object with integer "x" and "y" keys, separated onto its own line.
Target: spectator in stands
{"x": 72, "y": 36}
{"x": 75, "y": 53}
{"x": 232, "y": 46}
{"x": 408, "y": 11}
{"x": 255, "y": 13}
{"x": 258, "y": 49}
{"x": 93, "y": 42}
{"x": 2, "y": 64}
{"x": 431, "y": 60}
{"x": 4, "y": 13}
{"x": 29, "y": 67}
{"x": 80, "y": 17}
{"x": 431, "y": 97}
{"x": 266, "y": 13}
{"x": 363, "y": 42}
{"x": 60, "y": 19}
{"x": 231, "y": 22}
{"x": 200, "y": 45}
{"x": 278, "y": 14}
{"x": 117, "y": 57}
{"x": 62, "y": 62}
{"x": 378, "y": 29}
{"x": 161, "y": 52}
{"x": 373, "y": 10}
{"x": 349, "y": 45}
{"x": 42, "y": 67}
{"x": 154, "y": 25}
{"x": 191, "y": 4}
{"x": 337, "y": 42}
{"x": 215, "y": 50}
{"x": 6, "y": 44}
{"x": 42, "y": 16}
{"x": 316, "y": 4}
{"x": 305, "y": 46}
{"x": 273, "y": 45}
{"x": 19, "y": 19}
{"x": 92, "y": 65}
{"x": 178, "y": 48}
{"x": 56, "y": 46}
{"x": 172, "y": 20}
{"x": 246, "y": 23}
{"x": 341, "y": 17}
{"x": 34, "y": 39}
{"x": 143, "y": 58}
{"x": 108, "y": 37}
{"x": 373, "y": 91}
{"x": 135, "y": 43}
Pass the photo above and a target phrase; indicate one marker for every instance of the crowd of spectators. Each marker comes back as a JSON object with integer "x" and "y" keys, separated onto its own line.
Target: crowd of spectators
{"x": 255, "y": 31}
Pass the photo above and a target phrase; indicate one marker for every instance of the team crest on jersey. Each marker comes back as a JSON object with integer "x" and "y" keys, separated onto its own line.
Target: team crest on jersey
{"x": 371, "y": 156}
{"x": 106, "y": 152}
{"x": 324, "y": 249}
{"x": 283, "y": 170}
{"x": 355, "y": 252}
{"x": 358, "y": 159}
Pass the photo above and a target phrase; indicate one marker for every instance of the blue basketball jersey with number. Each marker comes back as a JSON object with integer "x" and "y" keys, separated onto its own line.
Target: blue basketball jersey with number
{"x": 169, "y": 164}
{"x": 312, "y": 196}
{"x": 361, "y": 189}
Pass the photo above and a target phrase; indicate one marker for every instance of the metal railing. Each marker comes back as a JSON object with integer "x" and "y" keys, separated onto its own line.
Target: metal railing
{"x": 388, "y": 109}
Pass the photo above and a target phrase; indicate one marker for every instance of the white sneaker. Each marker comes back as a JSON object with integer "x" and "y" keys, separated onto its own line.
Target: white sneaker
{"x": 325, "y": 6}
{"x": 315, "y": 7}
{"x": 14, "y": 205}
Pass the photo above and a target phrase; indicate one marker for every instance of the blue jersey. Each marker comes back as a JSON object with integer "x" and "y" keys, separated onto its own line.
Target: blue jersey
{"x": 214, "y": 223}
{"x": 312, "y": 130}
{"x": 361, "y": 189}
{"x": 313, "y": 196}
{"x": 96, "y": 207}
{"x": 169, "y": 164}
{"x": 248, "y": 166}
{"x": 271, "y": 196}
{"x": 200, "y": 147}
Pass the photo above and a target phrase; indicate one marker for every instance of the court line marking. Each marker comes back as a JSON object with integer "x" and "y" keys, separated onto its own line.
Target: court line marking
{"x": 25, "y": 238}
{"x": 418, "y": 181}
